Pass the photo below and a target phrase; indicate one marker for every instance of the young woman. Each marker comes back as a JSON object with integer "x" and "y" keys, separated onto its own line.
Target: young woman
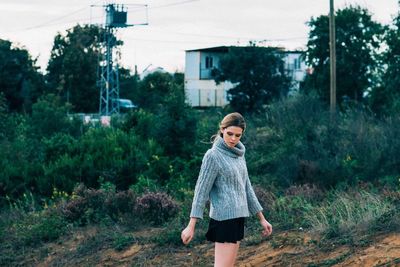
{"x": 223, "y": 180}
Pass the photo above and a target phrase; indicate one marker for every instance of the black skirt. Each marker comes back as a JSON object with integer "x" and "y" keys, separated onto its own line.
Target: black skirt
{"x": 227, "y": 231}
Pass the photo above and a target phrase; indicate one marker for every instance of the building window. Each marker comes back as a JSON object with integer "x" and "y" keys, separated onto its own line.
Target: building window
{"x": 209, "y": 62}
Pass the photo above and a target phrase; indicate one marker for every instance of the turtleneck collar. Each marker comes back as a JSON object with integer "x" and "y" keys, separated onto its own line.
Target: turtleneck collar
{"x": 234, "y": 152}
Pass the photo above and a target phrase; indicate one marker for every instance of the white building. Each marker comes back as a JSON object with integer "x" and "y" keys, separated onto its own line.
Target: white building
{"x": 296, "y": 69}
{"x": 201, "y": 89}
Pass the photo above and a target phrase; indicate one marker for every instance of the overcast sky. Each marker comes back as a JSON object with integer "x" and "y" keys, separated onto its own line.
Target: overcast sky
{"x": 174, "y": 25}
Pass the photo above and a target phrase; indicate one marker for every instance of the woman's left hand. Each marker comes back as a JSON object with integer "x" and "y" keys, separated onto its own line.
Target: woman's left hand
{"x": 267, "y": 227}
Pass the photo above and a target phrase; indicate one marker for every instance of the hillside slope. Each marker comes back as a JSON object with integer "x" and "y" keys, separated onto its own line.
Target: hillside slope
{"x": 84, "y": 248}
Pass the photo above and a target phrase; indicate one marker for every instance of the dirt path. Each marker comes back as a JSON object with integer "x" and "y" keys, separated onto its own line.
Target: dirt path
{"x": 385, "y": 252}
{"x": 285, "y": 249}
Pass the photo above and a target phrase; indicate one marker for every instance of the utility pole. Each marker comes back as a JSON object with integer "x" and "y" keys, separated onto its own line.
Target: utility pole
{"x": 332, "y": 44}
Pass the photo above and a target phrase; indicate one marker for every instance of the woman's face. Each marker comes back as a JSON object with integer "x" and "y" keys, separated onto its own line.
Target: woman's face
{"x": 232, "y": 135}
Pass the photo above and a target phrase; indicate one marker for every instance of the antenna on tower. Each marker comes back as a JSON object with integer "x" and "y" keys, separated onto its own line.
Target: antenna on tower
{"x": 108, "y": 78}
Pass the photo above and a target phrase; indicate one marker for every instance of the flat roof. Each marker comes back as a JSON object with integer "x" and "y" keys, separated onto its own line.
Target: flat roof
{"x": 211, "y": 49}
{"x": 224, "y": 49}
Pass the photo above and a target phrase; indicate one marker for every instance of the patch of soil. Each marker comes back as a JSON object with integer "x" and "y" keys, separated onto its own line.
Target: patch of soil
{"x": 283, "y": 249}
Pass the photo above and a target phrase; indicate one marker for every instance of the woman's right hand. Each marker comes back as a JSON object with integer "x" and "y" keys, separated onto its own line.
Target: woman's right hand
{"x": 187, "y": 234}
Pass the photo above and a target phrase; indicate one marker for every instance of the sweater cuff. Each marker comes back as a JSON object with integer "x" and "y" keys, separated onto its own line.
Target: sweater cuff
{"x": 254, "y": 209}
{"x": 197, "y": 212}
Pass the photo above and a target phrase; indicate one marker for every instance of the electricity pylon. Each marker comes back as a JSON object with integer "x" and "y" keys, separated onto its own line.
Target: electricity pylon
{"x": 108, "y": 79}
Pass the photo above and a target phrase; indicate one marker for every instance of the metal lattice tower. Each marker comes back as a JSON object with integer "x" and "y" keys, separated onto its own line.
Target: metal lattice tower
{"x": 108, "y": 80}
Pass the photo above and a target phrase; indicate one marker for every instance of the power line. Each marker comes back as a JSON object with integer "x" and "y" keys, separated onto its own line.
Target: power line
{"x": 230, "y": 37}
{"x": 49, "y": 23}
{"x": 53, "y": 20}
{"x": 202, "y": 42}
{"x": 169, "y": 41}
{"x": 171, "y": 4}
{"x": 145, "y": 6}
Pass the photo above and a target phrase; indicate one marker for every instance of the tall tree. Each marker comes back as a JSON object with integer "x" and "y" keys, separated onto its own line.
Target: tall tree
{"x": 128, "y": 83}
{"x": 20, "y": 81}
{"x": 258, "y": 74}
{"x": 72, "y": 68}
{"x": 151, "y": 93}
{"x": 357, "y": 40}
{"x": 385, "y": 98}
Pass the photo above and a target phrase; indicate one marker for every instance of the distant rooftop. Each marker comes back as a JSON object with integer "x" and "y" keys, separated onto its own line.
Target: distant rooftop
{"x": 224, "y": 49}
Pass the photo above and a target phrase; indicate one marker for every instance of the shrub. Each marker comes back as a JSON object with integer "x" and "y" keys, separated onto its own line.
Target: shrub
{"x": 288, "y": 212}
{"x": 119, "y": 203}
{"x": 94, "y": 205}
{"x": 266, "y": 198}
{"x": 296, "y": 143}
{"x": 75, "y": 209}
{"x": 156, "y": 208}
{"x": 122, "y": 241}
{"x": 36, "y": 227}
{"x": 308, "y": 191}
{"x": 169, "y": 237}
{"x": 49, "y": 117}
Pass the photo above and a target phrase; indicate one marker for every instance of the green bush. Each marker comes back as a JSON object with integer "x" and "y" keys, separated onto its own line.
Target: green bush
{"x": 288, "y": 212}
{"x": 122, "y": 241}
{"x": 169, "y": 237}
{"x": 37, "y": 227}
{"x": 98, "y": 205}
{"x": 296, "y": 143}
{"x": 49, "y": 117}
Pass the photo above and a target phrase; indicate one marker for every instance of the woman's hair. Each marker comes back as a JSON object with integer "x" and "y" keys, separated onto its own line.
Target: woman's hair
{"x": 232, "y": 119}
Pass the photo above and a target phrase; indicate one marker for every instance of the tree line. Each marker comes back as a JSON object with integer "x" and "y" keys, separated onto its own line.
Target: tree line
{"x": 367, "y": 67}
{"x": 158, "y": 145}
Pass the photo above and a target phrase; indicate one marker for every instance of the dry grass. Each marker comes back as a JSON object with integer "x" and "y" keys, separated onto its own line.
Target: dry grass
{"x": 348, "y": 211}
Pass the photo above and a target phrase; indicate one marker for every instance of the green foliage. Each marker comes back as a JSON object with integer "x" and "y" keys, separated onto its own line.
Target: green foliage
{"x": 143, "y": 185}
{"x": 170, "y": 238}
{"x": 122, "y": 241}
{"x": 304, "y": 146}
{"x": 39, "y": 227}
{"x": 357, "y": 42}
{"x": 3, "y": 114}
{"x": 258, "y": 73}
{"x": 97, "y": 206}
{"x": 128, "y": 83}
{"x": 288, "y": 211}
{"x": 141, "y": 123}
{"x": 19, "y": 159}
{"x": 73, "y": 65}
{"x": 385, "y": 99}
{"x": 177, "y": 125}
{"x": 25, "y": 204}
{"x": 49, "y": 116}
{"x": 164, "y": 115}
{"x": 58, "y": 145}
{"x": 152, "y": 91}
{"x": 20, "y": 81}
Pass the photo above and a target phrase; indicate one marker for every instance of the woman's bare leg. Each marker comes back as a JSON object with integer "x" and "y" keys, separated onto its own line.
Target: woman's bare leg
{"x": 225, "y": 254}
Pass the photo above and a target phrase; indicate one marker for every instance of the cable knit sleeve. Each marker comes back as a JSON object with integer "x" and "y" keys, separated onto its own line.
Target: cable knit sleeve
{"x": 205, "y": 181}
{"x": 252, "y": 201}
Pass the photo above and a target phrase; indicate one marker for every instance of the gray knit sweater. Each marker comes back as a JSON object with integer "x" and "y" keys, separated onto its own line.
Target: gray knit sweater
{"x": 224, "y": 180}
